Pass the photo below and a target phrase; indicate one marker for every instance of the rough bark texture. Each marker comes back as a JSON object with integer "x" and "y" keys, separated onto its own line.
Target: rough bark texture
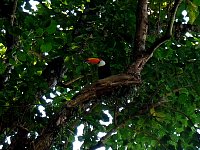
{"x": 139, "y": 51}
{"x": 103, "y": 87}
{"x": 141, "y": 28}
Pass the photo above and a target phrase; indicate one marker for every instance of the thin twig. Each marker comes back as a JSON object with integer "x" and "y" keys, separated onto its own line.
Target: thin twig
{"x": 168, "y": 32}
{"x": 102, "y": 141}
{"x": 70, "y": 82}
{"x": 12, "y": 17}
{"x": 190, "y": 120}
{"x": 154, "y": 137}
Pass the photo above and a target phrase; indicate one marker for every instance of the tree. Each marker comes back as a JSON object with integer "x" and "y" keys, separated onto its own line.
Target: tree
{"x": 152, "y": 96}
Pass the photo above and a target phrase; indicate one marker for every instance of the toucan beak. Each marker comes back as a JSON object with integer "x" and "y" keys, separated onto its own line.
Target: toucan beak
{"x": 93, "y": 60}
{"x": 103, "y": 67}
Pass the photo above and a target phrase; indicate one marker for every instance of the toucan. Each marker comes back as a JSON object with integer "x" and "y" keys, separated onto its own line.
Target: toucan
{"x": 103, "y": 67}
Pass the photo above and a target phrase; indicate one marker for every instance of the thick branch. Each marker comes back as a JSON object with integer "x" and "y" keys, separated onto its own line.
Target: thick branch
{"x": 140, "y": 38}
{"x": 143, "y": 56}
{"x": 141, "y": 27}
{"x": 102, "y": 87}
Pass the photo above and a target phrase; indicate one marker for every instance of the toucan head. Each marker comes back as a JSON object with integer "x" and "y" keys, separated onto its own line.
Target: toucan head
{"x": 96, "y": 61}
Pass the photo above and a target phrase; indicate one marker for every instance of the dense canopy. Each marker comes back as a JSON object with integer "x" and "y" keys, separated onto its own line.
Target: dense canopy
{"x": 47, "y": 90}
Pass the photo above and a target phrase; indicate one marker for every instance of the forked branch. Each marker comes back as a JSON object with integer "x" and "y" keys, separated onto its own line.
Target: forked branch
{"x": 168, "y": 33}
{"x": 142, "y": 55}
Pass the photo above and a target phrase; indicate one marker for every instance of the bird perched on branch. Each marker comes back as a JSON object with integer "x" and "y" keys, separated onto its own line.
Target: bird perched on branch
{"x": 103, "y": 67}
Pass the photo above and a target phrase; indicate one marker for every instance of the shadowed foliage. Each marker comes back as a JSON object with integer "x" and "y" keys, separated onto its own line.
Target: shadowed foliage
{"x": 152, "y": 97}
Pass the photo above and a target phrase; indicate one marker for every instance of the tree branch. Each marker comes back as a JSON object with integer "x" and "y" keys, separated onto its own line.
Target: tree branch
{"x": 190, "y": 120}
{"x": 102, "y": 141}
{"x": 66, "y": 85}
{"x": 143, "y": 56}
{"x": 141, "y": 27}
{"x": 12, "y": 17}
{"x": 102, "y": 87}
{"x": 142, "y": 111}
{"x": 168, "y": 32}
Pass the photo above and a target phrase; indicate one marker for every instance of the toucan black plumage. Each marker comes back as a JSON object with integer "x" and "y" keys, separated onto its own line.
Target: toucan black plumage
{"x": 53, "y": 71}
{"x": 103, "y": 67}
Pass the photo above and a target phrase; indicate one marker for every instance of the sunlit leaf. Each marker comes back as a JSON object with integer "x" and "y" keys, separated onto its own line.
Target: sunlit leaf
{"x": 193, "y": 12}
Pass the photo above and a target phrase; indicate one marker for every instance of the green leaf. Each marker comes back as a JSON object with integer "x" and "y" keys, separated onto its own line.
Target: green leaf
{"x": 46, "y": 47}
{"x": 39, "y": 31}
{"x": 184, "y": 90}
{"x": 2, "y": 68}
{"x": 2, "y": 49}
{"x": 21, "y": 56}
{"x": 81, "y": 138}
{"x": 196, "y": 2}
{"x": 27, "y": 6}
{"x": 197, "y": 22}
{"x": 52, "y": 27}
{"x": 182, "y": 97}
{"x": 192, "y": 12}
{"x": 29, "y": 20}
{"x": 105, "y": 117}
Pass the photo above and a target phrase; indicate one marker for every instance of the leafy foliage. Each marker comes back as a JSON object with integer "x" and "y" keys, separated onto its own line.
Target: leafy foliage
{"x": 42, "y": 54}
